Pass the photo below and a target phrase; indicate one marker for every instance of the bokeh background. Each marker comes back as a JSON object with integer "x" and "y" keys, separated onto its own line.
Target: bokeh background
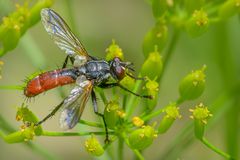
{"x": 96, "y": 23}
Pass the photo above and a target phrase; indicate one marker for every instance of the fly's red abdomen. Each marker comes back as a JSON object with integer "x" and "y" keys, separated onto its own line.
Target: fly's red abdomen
{"x": 49, "y": 80}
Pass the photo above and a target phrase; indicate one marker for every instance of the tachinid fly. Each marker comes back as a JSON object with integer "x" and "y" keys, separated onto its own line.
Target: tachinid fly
{"x": 87, "y": 72}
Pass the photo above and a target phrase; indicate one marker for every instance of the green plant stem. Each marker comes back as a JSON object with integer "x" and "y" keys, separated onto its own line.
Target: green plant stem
{"x": 56, "y": 134}
{"x": 120, "y": 148}
{"x": 169, "y": 52}
{"x": 215, "y": 149}
{"x": 124, "y": 102}
{"x": 102, "y": 95}
{"x": 92, "y": 124}
{"x": 153, "y": 114}
{"x": 229, "y": 74}
{"x": 11, "y": 87}
{"x": 130, "y": 105}
{"x": 138, "y": 154}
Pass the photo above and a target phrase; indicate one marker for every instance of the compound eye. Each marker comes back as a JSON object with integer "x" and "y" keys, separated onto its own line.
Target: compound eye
{"x": 120, "y": 72}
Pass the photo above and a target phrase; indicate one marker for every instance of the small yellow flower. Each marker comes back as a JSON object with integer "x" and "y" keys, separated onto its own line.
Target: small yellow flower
{"x": 93, "y": 146}
{"x": 137, "y": 121}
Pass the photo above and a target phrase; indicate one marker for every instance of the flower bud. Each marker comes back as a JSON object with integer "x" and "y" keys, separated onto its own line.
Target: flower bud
{"x": 152, "y": 67}
{"x": 171, "y": 114}
{"x": 193, "y": 5}
{"x": 93, "y": 146}
{"x": 229, "y": 8}
{"x": 9, "y": 34}
{"x": 159, "y": 7}
{"x": 198, "y": 23}
{"x": 121, "y": 114}
{"x": 27, "y": 116}
{"x": 200, "y": 115}
{"x": 192, "y": 86}
{"x": 152, "y": 89}
{"x": 157, "y": 36}
{"x": 142, "y": 138}
{"x": 111, "y": 114}
{"x": 114, "y": 51}
{"x": 26, "y": 134}
{"x": 137, "y": 121}
{"x": 127, "y": 82}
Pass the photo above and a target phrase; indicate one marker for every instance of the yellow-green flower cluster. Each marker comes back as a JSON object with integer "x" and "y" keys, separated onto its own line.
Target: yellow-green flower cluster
{"x": 200, "y": 114}
{"x": 193, "y": 85}
{"x": 93, "y": 146}
{"x": 157, "y": 36}
{"x": 142, "y": 138}
{"x": 198, "y": 23}
{"x": 152, "y": 66}
{"x": 171, "y": 114}
{"x": 114, "y": 51}
{"x": 16, "y": 24}
{"x": 111, "y": 114}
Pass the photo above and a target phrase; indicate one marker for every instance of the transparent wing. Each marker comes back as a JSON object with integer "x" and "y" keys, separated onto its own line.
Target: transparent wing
{"x": 61, "y": 33}
{"x": 75, "y": 103}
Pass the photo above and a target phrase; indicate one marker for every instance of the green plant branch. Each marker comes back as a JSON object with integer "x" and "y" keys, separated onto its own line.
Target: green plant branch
{"x": 120, "y": 148}
{"x": 11, "y": 87}
{"x": 92, "y": 124}
{"x": 169, "y": 52}
{"x": 152, "y": 114}
{"x": 131, "y": 101}
{"x": 56, "y": 134}
{"x": 215, "y": 149}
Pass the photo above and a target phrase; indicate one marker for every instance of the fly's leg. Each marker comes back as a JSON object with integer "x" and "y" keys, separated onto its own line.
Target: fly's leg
{"x": 66, "y": 61}
{"x": 110, "y": 85}
{"x": 50, "y": 115}
{"x": 95, "y": 108}
{"x": 136, "y": 78}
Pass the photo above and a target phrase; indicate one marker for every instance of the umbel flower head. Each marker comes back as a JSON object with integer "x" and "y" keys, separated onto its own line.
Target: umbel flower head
{"x": 93, "y": 146}
{"x": 111, "y": 114}
{"x": 193, "y": 85}
{"x": 172, "y": 113}
{"x": 200, "y": 114}
{"x": 142, "y": 138}
{"x": 198, "y": 23}
{"x": 114, "y": 51}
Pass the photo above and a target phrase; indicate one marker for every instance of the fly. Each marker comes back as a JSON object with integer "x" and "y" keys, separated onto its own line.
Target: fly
{"x": 87, "y": 72}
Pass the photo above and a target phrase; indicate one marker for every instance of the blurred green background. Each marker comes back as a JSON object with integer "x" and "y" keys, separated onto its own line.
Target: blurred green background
{"x": 96, "y": 24}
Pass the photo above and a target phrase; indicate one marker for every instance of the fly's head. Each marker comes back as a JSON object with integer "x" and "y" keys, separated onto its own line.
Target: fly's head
{"x": 118, "y": 68}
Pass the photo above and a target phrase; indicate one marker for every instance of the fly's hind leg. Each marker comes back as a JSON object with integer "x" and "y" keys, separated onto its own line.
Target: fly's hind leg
{"x": 95, "y": 107}
{"x": 50, "y": 115}
{"x": 66, "y": 61}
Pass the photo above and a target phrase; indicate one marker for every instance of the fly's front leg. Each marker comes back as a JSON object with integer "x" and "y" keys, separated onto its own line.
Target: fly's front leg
{"x": 110, "y": 85}
{"x": 50, "y": 115}
{"x": 136, "y": 78}
{"x": 95, "y": 108}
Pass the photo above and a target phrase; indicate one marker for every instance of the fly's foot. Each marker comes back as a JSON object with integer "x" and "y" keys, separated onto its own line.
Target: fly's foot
{"x": 107, "y": 140}
{"x": 148, "y": 96}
